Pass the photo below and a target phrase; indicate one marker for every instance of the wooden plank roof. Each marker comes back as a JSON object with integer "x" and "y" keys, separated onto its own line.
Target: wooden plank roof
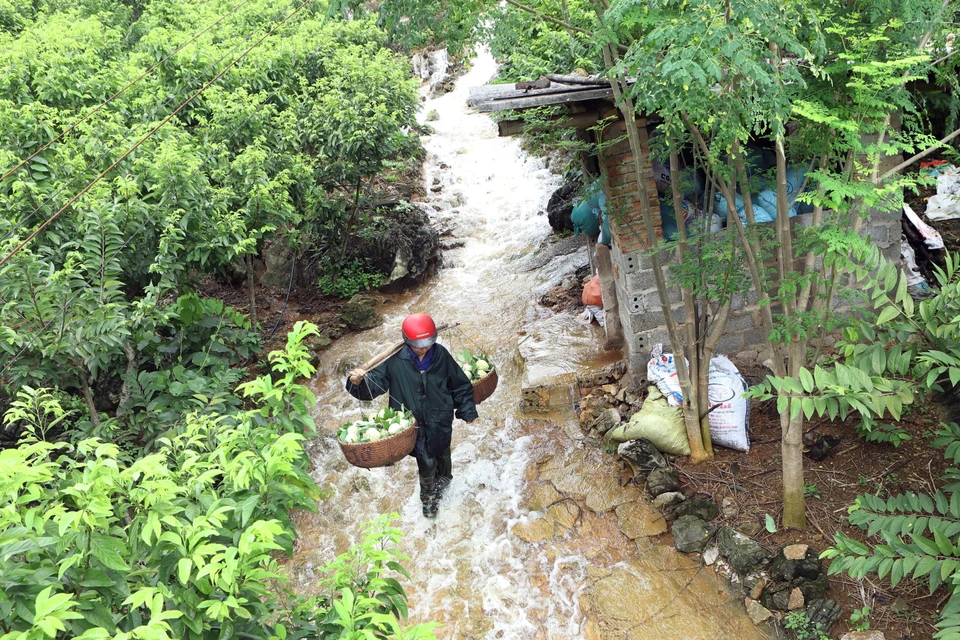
{"x": 499, "y": 97}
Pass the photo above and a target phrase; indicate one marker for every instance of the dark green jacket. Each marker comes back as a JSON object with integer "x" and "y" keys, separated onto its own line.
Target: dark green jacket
{"x": 433, "y": 395}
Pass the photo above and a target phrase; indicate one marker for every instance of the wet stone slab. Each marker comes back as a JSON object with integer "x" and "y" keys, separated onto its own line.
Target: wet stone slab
{"x": 632, "y": 603}
{"x": 638, "y": 519}
{"x": 579, "y": 503}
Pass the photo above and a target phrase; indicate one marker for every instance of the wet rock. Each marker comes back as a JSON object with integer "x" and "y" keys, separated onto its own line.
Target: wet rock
{"x": 750, "y": 528}
{"x": 607, "y": 420}
{"x": 543, "y": 496}
{"x": 796, "y": 600}
{"x": 757, "y": 612}
{"x": 813, "y": 589}
{"x": 744, "y": 554}
{"x": 277, "y": 258}
{"x": 795, "y": 551}
{"x": 757, "y": 588}
{"x": 700, "y": 506}
{"x": 824, "y": 611}
{"x": 317, "y": 342}
{"x": 433, "y": 68}
{"x": 358, "y": 316}
{"x": 863, "y": 635}
{"x": 710, "y": 555}
{"x": 776, "y": 596}
{"x": 638, "y": 520}
{"x": 533, "y": 530}
{"x": 404, "y": 247}
{"x": 729, "y": 508}
{"x": 564, "y": 515}
{"x": 691, "y": 534}
{"x": 669, "y": 499}
{"x": 642, "y": 456}
{"x": 603, "y": 493}
{"x": 560, "y": 206}
{"x": 805, "y": 566}
{"x": 663, "y": 481}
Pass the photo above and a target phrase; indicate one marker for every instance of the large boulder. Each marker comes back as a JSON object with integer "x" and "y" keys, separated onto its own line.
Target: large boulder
{"x": 402, "y": 245}
{"x": 744, "y": 554}
{"x": 277, "y": 260}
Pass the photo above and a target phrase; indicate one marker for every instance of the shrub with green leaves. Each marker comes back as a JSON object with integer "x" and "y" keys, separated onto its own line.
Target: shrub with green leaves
{"x": 183, "y": 542}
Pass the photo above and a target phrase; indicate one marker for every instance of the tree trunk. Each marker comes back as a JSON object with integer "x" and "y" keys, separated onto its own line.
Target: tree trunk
{"x": 691, "y": 403}
{"x": 88, "y": 396}
{"x": 252, "y": 286}
{"x": 129, "y": 376}
{"x": 791, "y": 448}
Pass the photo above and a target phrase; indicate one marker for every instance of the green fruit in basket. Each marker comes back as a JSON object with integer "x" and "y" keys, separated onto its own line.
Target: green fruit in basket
{"x": 483, "y": 365}
{"x": 396, "y": 428}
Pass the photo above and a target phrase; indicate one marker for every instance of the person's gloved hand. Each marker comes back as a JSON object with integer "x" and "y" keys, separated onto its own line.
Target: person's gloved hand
{"x": 356, "y": 376}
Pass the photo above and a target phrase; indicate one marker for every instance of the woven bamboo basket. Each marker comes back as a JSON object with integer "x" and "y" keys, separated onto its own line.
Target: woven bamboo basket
{"x": 485, "y": 386}
{"x": 381, "y": 453}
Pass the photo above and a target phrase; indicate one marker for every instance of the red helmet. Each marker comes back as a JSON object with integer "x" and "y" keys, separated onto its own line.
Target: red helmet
{"x": 419, "y": 330}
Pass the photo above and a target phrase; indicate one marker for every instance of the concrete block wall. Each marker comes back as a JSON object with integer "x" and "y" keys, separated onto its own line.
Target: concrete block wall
{"x": 640, "y": 311}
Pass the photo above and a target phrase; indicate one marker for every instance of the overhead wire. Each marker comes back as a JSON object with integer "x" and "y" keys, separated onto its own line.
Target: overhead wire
{"x": 148, "y": 135}
{"x": 121, "y": 91}
{"x": 139, "y": 126}
{"x": 147, "y": 219}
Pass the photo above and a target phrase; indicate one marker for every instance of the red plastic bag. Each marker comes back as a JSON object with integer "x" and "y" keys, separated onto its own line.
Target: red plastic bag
{"x": 591, "y": 293}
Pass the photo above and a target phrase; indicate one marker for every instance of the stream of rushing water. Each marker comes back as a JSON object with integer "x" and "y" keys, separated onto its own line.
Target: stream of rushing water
{"x": 469, "y": 572}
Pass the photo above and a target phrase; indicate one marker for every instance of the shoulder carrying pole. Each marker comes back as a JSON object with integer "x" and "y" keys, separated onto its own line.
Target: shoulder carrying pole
{"x": 394, "y": 348}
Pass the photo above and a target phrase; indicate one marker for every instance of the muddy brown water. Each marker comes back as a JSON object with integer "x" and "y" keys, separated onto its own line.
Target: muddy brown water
{"x": 537, "y": 537}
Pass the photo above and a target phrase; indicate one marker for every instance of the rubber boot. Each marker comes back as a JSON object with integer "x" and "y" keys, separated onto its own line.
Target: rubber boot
{"x": 443, "y": 483}
{"x": 429, "y": 497}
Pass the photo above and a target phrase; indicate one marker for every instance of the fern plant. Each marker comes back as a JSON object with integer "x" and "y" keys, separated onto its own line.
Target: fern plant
{"x": 910, "y": 536}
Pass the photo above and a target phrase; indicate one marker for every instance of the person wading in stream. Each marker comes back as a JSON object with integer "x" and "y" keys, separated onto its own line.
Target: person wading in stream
{"x": 424, "y": 378}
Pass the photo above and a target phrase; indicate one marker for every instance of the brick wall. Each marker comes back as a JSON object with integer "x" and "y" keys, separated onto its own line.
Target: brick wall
{"x": 623, "y": 203}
